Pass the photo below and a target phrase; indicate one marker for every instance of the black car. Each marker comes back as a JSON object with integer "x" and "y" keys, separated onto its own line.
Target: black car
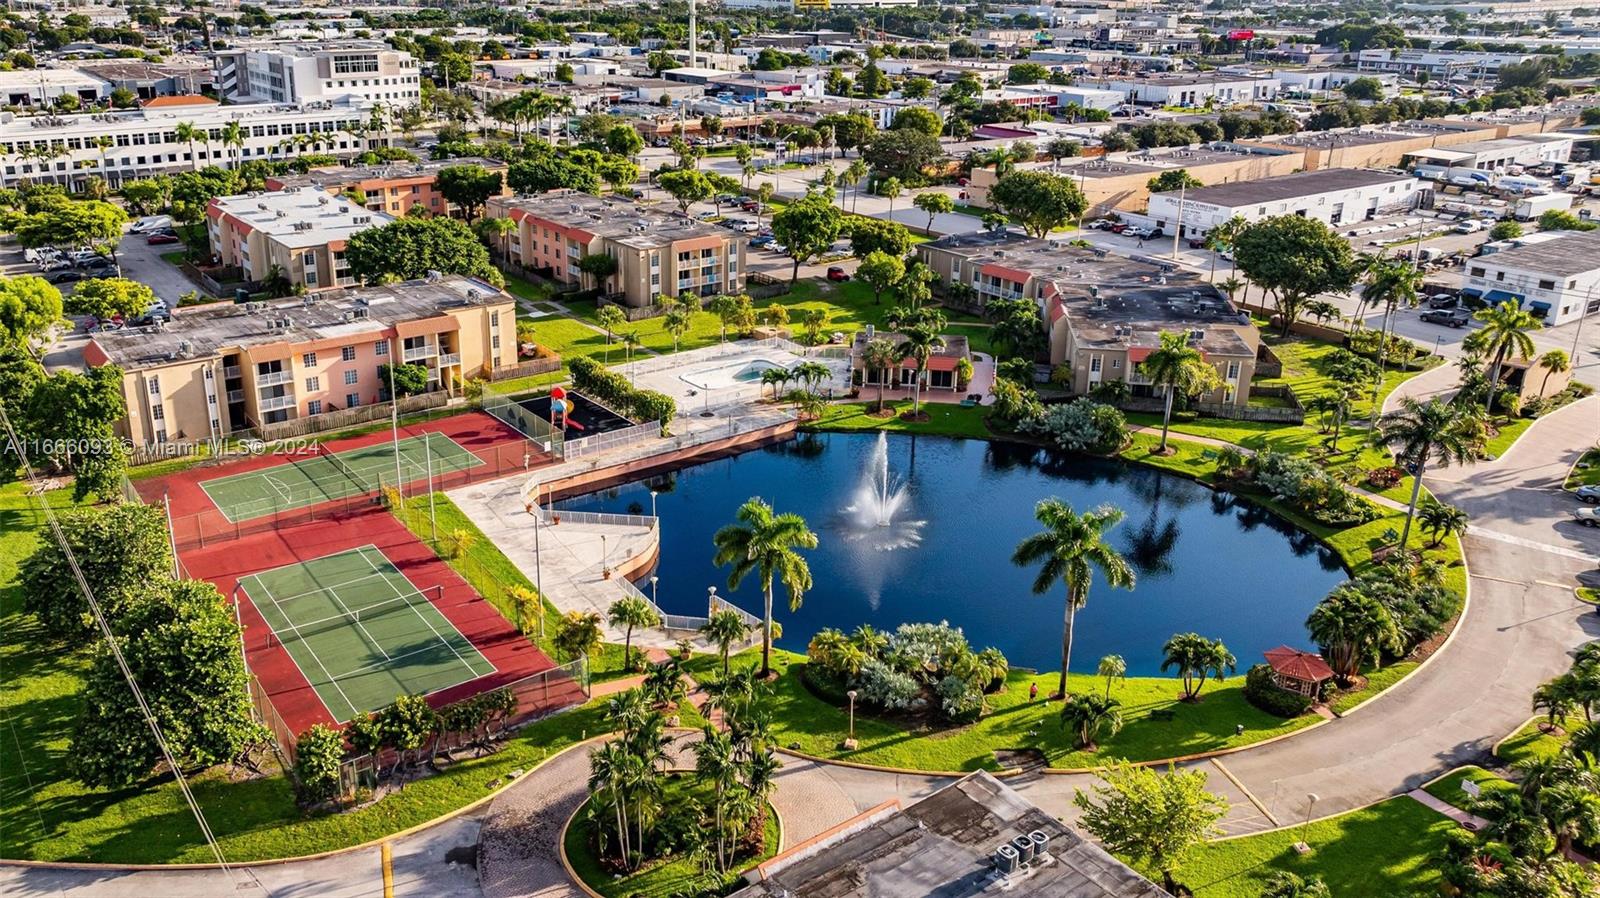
{"x": 1447, "y": 317}
{"x": 65, "y": 276}
{"x": 1442, "y": 301}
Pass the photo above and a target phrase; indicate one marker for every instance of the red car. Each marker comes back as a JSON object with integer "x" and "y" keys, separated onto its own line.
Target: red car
{"x": 160, "y": 239}
{"x": 837, "y": 274}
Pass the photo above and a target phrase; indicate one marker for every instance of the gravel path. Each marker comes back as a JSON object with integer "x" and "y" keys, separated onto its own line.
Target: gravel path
{"x": 518, "y": 847}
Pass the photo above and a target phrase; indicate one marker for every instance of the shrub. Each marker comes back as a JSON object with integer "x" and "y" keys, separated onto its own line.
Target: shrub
{"x": 318, "y": 752}
{"x": 1261, "y": 691}
{"x": 1385, "y": 478}
{"x": 960, "y": 699}
{"x": 887, "y": 688}
{"x": 611, "y": 388}
{"x": 1082, "y": 426}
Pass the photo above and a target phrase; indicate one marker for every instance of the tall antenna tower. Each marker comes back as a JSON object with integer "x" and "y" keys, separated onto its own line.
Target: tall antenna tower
{"x": 694, "y": 36}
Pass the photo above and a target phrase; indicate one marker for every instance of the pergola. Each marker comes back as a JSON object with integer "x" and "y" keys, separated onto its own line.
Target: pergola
{"x": 1297, "y": 671}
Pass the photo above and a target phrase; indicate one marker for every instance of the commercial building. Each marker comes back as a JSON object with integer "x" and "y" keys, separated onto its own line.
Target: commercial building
{"x": 144, "y": 142}
{"x": 1104, "y": 314}
{"x": 36, "y": 88}
{"x": 394, "y": 187}
{"x": 299, "y": 233}
{"x": 975, "y": 836}
{"x": 1500, "y": 154}
{"x": 149, "y": 80}
{"x": 1555, "y": 277}
{"x": 1439, "y": 64}
{"x": 1333, "y": 196}
{"x": 221, "y": 368}
{"x": 657, "y": 253}
{"x": 368, "y": 71}
{"x": 1191, "y": 90}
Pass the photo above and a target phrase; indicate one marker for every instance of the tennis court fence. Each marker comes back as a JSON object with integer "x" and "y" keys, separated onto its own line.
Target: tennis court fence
{"x": 503, "y": 407}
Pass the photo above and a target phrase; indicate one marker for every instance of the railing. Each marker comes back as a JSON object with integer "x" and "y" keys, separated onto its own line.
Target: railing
{"x": 602, "y": 517}
{"x": 273, "y": 378}
{"x": 231, "y": 371}
{"x": 600, "y": 442}
{"x": 416, "y": 353}
{"x": 450, "y": 358}
{"x": 276, "y": 402}
{"x": 235, "y": 395}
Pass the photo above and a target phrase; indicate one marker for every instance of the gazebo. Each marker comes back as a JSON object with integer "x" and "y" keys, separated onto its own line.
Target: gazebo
{"x": 1297, "y": 671}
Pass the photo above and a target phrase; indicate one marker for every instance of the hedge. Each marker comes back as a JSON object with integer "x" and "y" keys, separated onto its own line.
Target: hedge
{"x": 611, "y": 388}
{"x": 1261, "y": 691}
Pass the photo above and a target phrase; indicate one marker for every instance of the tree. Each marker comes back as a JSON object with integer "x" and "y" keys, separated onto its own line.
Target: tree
{"x": 934, "y": 203}
{"x": 1284, "y": 884}
{"x": 629, "y": 612}
{"x": 1562, "y": 220}
{"x": 1173, "y": 179}
{"x": 1112, "y": 667}
{"x": 882, "y": 356}
{"x": 551, "y": 172}
{"x": 1063, "y": 148}
{"x": 1352, "y": 627}
{"x": 736, "y": 310}
{"x": 1151, "y": 817}
{"x": 1554, "y": 361}
{"x": 1118, "y": 142}
{"x": 1364, "y": 88}
{"x": 870, "y": 235}
{"x": 107, "y": 298}
{"x": 69, "y": 410}
{"x": 29, "y": 307}
{"x": 468, "y": 187}
{"x": 79, "y": 223}
{"x": 1027, "y": 73}
{"x": 610, "y": 317}
{"x": 1420, "y": 431}
{"x": 1507, "y": 230}
{"x": 1504, "y": 332}
{"x": 318, "y": 754}
{"x": 919, "y": 343}
{"x": 764, "y": 543}
{"x": 1196, "y": 658}
{"x": 409, "y": 248}
{"x": 1441, "y": 520}
{"x": 902, "y": 153}
{"x": 1070, "y": 549}
{"x": 807, "y": 228}
{"x": 120, "y": 549}
{"x": 1177, "y": 367}
{"x": 679, "y": 318}
{"x": 1090, "y": 716}
{"x": 850, "y": 129}
{"x": 624, "y": 140}
{"x": 917, "y": 118}
{"x": 600, "y": 268}
{"x": 579, "y": 634}
{"x": 181, "y": 643}
{"x": 687, "y": 187}
{"x": 880, "y": 271}
{"x": 1295, "y": 259}
{"x": 188, "y": 133}
{"x": 409, "y": 378}
{"x": 1039, "y": 201}
{"x": 725, "y": 628}
{"x": 1390, "y": 285}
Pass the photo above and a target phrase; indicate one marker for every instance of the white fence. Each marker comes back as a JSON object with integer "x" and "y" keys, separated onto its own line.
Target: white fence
{"x": 600, "y": 442}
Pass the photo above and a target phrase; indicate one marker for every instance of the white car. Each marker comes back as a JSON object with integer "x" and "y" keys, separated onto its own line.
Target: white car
{"x": 1589, "y": 517}
{"x": 151, "y": 223}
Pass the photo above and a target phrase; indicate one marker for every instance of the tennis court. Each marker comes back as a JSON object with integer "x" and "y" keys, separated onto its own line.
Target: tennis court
{"x": 360, "y": 632}
{"x": 327, "y": 476}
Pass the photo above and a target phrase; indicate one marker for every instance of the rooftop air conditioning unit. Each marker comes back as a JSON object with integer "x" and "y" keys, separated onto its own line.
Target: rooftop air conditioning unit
{"x": 1007, "y": 861}
{"x": 1197, "y": 334}
{"x": 1024, "y": 846}
{"x": 324, "y": 200}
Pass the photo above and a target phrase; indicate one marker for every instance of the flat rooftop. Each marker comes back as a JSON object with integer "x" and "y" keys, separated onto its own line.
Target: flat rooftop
{"x": 1568, "y": 254}
{"x": 626, "y": 222}
{"x": 203, "y": 331}
{"x": 943, "y": 846}
{"x": 1285, "y": 187}
{"x": 338, "y": 177}
{"x": 300, "y": 218}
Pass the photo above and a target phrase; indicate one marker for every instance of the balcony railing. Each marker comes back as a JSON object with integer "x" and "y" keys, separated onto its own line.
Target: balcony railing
{"x": 235, "y": 395}
{"x": 418, "y": 353}
{"x": 230, "y": 371}
{"x": 274, "y": 378}
{"x": 275, "y": 403}
{"x": 450, "y": 358}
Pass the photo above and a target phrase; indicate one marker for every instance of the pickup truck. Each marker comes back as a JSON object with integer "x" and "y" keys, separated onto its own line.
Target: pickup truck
{"x": 1448, "y": 317}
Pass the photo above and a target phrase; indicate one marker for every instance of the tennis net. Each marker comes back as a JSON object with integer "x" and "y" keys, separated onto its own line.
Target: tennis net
{"x": 344, "y": 469}
{"x": 353, "y": 617}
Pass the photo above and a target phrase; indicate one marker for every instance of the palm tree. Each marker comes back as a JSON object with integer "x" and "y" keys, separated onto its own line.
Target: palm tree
{"x": 630, "y": 612}
{"x": 714, "y": 763}
{"x": 890, "y": 189}
{"x": 919, "y": 344}
{"x": 1230, "y": 286}
{"x": 1069, "y": 550}
{"x": 1421, "y": 431}
{"x": 1352, "y": 627}
{"x": 1196, "y": 658}
{"x": 1112, "y": 667}
{"x": 1219, "y": 239}
{"x": 1389, "y": 285}
{"x": 853, "y": 173}
{"x": 606, "y": 774}
{"x": 1572, "y": 813}
{"x": 1289, "y": 885}
{"x": 1176, "y": 366}
{"x": 1556, "y": 699}
{"x": 1584, "y": 742}
{"x": 774, "y": 377}
{"x": 188, "y": 133}
{"x": 1505, "y": 331}
{"x": 880, "y": 356}
{"x": 1554, "y": 362}
{"x": 1441, "y": 520}
{"x": 233, "y": 136}
{"x": 764, "y": 543}
{"x": 725, "y": 628}
{"x": 1089, "y": 716}
{"x": 811, "y": 373}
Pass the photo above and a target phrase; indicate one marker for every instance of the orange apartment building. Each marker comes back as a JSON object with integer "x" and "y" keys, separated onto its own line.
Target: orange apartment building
{"x": 393, "y": 188}
{"x": 217, "y": 369}
{"x": 658, "y": 253}
{"x": 299, "y": 232}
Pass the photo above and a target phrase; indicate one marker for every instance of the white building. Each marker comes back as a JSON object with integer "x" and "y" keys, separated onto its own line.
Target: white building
{"x": 1334, "y": 196}
{"x": 1324, "y": 81}
{"x": 368, "y": 71}
{"x": 1556, "y": 278}
{"x": 1192, "y": 90}
{"x": 792, "y": 5}
{"x": 41, "y": 87}
{"x": 1527, "y": 151}
{"x": 144, "y": 142}
{"x": 1437, "y": 63}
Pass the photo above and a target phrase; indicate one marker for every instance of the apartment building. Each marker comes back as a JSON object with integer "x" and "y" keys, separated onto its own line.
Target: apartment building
{"x": 1333, "y": 196}
{"x": 299, "y": 232}
{"x": 366, "y": 71}
{"x": 221, "y": 368}
{"x": 658, "y": 253}
{"x": 1103, "y": 314}
{"x": 1554, "y": 275}
{"x": 142, "y": 143}
{"x": 394, "y": 188}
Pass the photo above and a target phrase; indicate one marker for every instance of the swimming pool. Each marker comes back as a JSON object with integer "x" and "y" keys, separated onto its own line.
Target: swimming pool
{"x": 730, "y": 374}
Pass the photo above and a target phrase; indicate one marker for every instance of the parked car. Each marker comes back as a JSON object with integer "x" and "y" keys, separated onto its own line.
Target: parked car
{"x": 749, "y": 205}
{"x": 1117, "y": 227}
{"x": 1589, "y": 493}
{"x": 1197, "y": 243}
{"x": 1447, "y": 317}
{"x": 1100, "y": 224}
{"x": 761, "y": 240}
{"x": 1471, "y": 226}
{"x": 835, "y": 273}
{"x": 1588, "y": 517}
{"x": 150, "y": 223}
{"x": 81, "y": 257}
{"x": 66, "y": 276}
{"x": 1137, "y": 232}
{"x": 161, "y": 239}
{"x": 746, "y": 227}
{"x": 1442, "y": 301}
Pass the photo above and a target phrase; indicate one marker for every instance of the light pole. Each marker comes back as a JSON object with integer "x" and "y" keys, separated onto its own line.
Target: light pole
{"x": 850, "y": 743}
{"x": 1302, "y": 847}
{"x": 538, "y": 559}
{"x": 711, "y": 600}
{"x": 605, "y": 568}
{"x": 652, "y": 503}
{"x": 653, "y": 581}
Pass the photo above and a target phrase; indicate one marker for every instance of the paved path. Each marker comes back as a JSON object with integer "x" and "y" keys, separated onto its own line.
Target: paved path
{"x": 1471, "y": 821}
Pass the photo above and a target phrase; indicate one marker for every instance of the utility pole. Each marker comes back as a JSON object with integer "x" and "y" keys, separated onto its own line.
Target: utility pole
{"x": 694, "y": 35}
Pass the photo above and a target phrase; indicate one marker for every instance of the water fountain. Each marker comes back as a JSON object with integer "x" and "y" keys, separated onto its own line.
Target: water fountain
{"x": 878, "y": 500}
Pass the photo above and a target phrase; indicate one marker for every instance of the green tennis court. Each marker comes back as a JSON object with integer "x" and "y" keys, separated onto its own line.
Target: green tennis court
{"x": 327, "y": 476}
{"x": 360, "y": 632}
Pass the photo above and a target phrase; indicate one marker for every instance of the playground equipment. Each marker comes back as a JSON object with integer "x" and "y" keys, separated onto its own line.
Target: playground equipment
{"x": 561, "y": 407}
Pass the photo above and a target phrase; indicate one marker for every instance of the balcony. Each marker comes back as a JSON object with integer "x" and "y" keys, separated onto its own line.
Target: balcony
{"x": 235, "y": 396}
{"x": 274, "y": 378}
{"x": 275, "y": 403}
{"x": 231, "y": 371}
{"x": 418, "y": 353}
{"x": 450, "y": 358}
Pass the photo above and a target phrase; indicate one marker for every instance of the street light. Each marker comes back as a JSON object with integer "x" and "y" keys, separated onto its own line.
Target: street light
{"x": 1302, "y": 847}
{"x": 850, "y": 743}
{"x": 653, "y": 581}
{"x": 652, "y": 503}
{"x": 605, "y": 568}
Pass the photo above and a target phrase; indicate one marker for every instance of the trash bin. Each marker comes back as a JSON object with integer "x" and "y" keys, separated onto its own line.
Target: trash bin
{"x": 240, "y": 294}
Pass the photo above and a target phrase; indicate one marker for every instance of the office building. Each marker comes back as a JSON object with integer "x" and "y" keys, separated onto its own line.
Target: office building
{"x": 1555, "y": 277}
{"x": 366, "y": 71}
{"x": 1333, "y": 196}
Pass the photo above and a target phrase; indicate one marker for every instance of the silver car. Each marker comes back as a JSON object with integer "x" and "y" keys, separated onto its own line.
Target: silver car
{"x": 1589, "y": 493}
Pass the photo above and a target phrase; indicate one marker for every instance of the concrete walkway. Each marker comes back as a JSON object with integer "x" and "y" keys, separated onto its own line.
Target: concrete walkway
{"x": 1471, "y": 821}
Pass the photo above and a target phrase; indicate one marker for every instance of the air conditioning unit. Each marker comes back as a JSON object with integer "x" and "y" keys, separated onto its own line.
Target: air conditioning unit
{"x": 1024, "y": 847}
{"x": 1040, "y": 840}
{"x": 1007, "y": 861}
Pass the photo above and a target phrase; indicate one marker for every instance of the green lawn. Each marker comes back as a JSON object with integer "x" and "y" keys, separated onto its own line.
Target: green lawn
{"x": 812, "y": 725}
{"x": 1588, "y": 594}
{"x": 1533, "y": 742}
{"x": 1388, "y": 850}
{"x": 1506, "y": 435}
{"x": 668, "y": 878}
{"x": 1448, "y": 789}
{"x": 943, "y": 418}
{"x": 1586, "y": 471}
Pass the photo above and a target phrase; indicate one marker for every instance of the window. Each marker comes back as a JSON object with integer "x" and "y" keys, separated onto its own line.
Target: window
{"x": 348, "y": 353}
{"x": 1477, "y": 272}
{"x": 352, "y": 377}
{"x": 352, "y": 400}
{"x": 495, "y": 341}
{"x": 313, "y": 384}
{"x": 1233, "y": 371}
{"x": 309, "y": 360}
{"x": 1547, "y": 285}
{"x": 158, "y": 412}
{"x": 494, "y": 319}
{"x": 380, "y": 349}
{"x": 1499, "y": 275}
{"x": 155, "y": 385}
{"x": 314, "y": 407}
{"x": 1094, "y": 364}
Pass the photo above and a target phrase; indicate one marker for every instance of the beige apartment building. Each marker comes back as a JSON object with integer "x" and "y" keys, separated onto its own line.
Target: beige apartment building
{"x": 394, "y": 188}
{"x": 1104, "y": 314}
{"x": 299, "y": 232}
{"x": 221, "y": 368}
{"x": 657, "y": 252}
